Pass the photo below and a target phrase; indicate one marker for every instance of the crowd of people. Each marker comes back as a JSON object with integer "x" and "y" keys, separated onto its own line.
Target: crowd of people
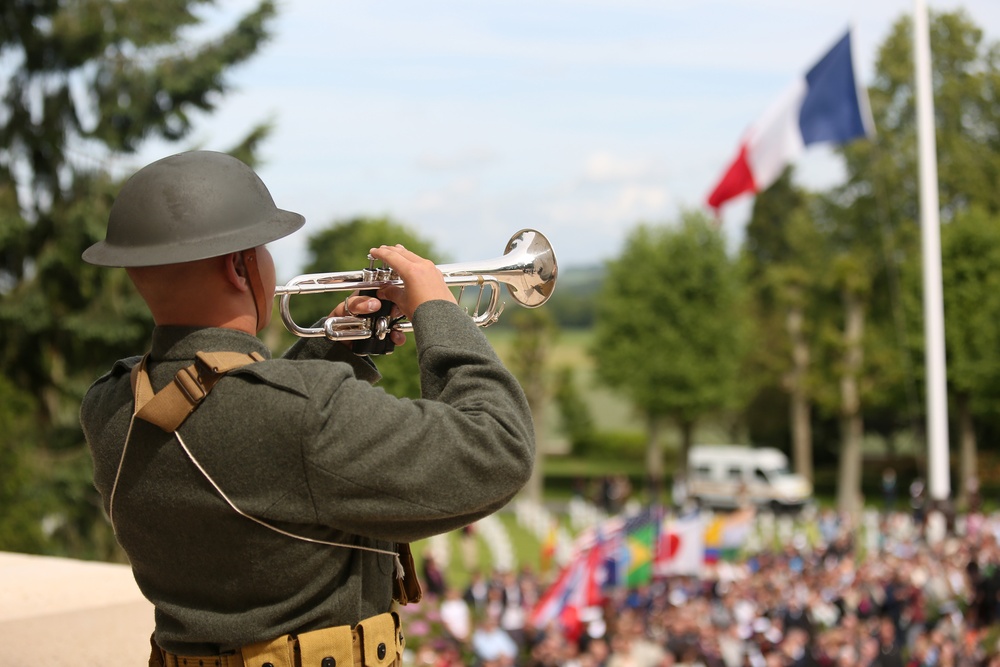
{"x": 830, "y": 601}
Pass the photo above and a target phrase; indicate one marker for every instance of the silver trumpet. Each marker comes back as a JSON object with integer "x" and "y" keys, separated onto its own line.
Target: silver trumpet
{"x": 528, "y": 268}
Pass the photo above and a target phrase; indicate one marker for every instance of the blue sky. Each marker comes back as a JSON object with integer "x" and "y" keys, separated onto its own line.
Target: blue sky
{"x": 468, "y": 120}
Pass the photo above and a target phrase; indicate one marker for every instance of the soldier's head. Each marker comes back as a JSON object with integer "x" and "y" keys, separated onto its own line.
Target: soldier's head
{"x": 191, "y": 230}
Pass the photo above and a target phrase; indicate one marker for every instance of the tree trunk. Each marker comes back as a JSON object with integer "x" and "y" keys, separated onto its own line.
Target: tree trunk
{"x": 687, "y": 439}
{"x": 52, "y": 392}
{"x": 536, "y": 483}
{"x": 534, "y": 391}
{"x": 969, "y": 483}
{"x": 851, "y": 424}
{"x": 654, "y": 458}
{"x": 798, "y": 406}
{"x": 531, "y": 352}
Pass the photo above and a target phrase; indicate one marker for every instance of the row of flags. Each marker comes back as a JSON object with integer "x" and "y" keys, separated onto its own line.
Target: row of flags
{"x": 826, "y": 105}
{"x": 628, "y": 552}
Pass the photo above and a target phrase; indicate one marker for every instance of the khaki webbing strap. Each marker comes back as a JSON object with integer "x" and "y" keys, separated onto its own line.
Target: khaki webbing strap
{"x": 169, "y": 407}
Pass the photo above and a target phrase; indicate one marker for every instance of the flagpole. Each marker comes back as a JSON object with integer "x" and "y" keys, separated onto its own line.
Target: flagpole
{"x": 939, "y": 481}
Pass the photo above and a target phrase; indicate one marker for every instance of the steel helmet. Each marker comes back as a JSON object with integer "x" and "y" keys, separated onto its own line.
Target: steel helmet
{"x": 187, "y": 207}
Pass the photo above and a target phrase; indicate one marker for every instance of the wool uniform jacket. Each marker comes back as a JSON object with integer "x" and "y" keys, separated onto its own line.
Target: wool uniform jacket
{"x": 308, "y": 444}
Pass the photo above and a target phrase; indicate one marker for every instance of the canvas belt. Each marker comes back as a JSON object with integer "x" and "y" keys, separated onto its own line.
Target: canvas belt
{"x": 374, "y": 642}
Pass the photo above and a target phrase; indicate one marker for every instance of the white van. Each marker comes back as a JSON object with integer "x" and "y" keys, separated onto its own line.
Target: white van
{"x": 726, "y": 476}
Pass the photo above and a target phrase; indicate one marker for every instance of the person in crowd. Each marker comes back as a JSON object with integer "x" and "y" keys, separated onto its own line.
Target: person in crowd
{"x": 456, "y": 616}
{"x": 433, "y": 577}
{"x": 492, "y": 646}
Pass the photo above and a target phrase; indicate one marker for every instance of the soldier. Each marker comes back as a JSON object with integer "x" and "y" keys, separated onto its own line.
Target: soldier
{"x": 263, "y": 502}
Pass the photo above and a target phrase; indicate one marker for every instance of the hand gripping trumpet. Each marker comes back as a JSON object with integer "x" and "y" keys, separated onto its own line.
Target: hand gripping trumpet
{"x": 528, "y": 268}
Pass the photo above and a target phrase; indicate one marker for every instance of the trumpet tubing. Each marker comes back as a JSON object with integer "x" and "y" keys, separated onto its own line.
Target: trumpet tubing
{"x": 528, "y": 268}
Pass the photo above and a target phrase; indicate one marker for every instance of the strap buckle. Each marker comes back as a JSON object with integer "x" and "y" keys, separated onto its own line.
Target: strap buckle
{"x": 191, "y": 386}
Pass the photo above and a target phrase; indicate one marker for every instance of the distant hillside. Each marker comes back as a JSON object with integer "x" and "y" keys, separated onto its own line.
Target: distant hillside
{"x": 572, "y": 304}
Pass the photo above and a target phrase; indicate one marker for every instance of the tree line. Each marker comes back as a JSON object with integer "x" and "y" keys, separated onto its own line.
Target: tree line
{"x": 808, "y": 336}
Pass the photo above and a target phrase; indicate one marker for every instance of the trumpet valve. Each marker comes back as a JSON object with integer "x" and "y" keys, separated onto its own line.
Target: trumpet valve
{"x": 374, "y": 274}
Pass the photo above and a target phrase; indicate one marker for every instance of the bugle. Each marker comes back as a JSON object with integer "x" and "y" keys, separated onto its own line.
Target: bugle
{"x": 528, "y": 268}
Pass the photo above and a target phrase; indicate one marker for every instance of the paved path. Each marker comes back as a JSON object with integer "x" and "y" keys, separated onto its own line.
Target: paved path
{"x": 57, "y": 611}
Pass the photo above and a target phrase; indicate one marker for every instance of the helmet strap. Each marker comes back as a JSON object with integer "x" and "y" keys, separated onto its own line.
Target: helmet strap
{"x": 256, "y": 284}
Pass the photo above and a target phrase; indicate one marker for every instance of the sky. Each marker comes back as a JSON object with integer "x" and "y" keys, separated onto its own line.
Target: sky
{"x": 468, "y": 120}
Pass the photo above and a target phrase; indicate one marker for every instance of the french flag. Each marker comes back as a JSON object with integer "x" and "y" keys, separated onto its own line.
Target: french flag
{"x": 826, "y": 105}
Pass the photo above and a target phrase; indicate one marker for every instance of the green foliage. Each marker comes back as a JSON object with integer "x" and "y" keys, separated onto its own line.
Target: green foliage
{"x": 535, "y": 333}
{"x": 784, "y": 263}
{"x": 344, "y": 246}
{"x": 93, "y": 79}
{"x": 20, "y": 520}
{"x": 573, "y": 303}
{"x": 970, "y": 249}
{"x": 577, "y": 423}
{"x": 602, "y": 445}
{"x": 882, "y": 198}
{"x": 670, "y": 327}
{"x": 139, "y": 74}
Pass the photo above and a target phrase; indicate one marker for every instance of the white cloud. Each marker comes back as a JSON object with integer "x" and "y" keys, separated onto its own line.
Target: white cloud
{"x": 605, "y": 167}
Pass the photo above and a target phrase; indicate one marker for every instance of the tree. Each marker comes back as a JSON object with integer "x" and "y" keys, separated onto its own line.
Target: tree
{"x": 970, "y": 249}
{"x": 783, "y": 251}
{"x": 670, "y": 329}
{"x": 19, "y": 528}
{"x": 535, "y": 330}
{"x": 576, "y": 422}
{"x": 103, "y": 75}
{"x": 83, "y": 83}
{"x": 881, "y": 192}
{"x": 344, "y": 246}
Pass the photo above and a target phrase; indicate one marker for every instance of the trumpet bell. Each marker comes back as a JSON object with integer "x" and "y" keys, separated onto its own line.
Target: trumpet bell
{"x": 528, "y": 268}
{"x": 538, "y": 279}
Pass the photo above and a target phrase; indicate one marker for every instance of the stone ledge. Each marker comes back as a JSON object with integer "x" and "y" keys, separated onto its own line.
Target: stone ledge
{"x": 59, "y": 611}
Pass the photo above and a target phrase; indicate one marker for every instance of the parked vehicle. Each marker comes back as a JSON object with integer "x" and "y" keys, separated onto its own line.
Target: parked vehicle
{"x": 730, "y": 476}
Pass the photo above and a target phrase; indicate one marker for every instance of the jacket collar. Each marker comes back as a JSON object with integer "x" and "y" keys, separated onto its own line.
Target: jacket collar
{"x": 173, "y": 343}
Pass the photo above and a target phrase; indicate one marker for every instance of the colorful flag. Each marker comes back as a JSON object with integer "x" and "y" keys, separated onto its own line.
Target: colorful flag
{"x": 827, "y": 105}
{"x": 577, "y": 587}
{"x": 630, "y": 548}
{"x": 641, "y": 543}
{"x": 736, "y": 532}
{"x": 726, "y": 535}
{"x": 681, "y": 550}
{"x": 548, "y": 550}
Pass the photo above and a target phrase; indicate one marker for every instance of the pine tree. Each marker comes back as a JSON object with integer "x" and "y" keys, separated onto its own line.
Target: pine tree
{"x": 85, "y": 82}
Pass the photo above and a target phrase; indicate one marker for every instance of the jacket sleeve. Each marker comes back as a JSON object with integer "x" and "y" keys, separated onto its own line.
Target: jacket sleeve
{"x": 321, "y": 348}
{"x": 402, "y": 469}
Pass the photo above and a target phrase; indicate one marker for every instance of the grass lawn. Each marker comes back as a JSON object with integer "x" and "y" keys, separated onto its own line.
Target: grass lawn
{"x": 527, "y": 551}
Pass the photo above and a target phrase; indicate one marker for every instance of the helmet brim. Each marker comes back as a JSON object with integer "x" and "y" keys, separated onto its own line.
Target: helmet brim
{"x": 278, "y": 225}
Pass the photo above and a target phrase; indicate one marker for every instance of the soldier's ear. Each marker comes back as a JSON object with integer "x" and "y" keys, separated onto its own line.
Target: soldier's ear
{"x": 236, "y": 271}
